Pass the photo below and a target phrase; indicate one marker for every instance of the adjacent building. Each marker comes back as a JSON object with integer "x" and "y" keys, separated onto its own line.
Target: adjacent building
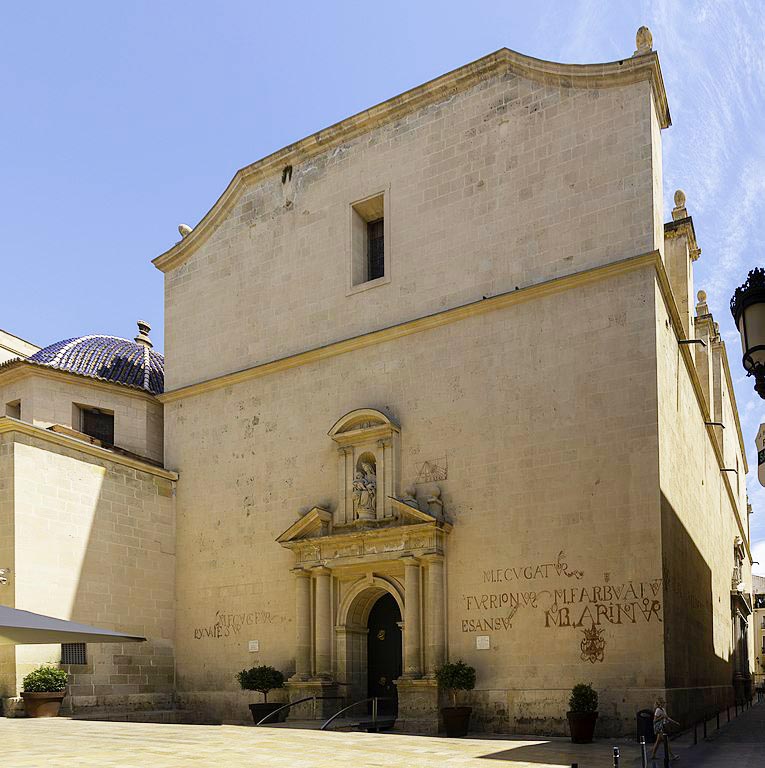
{"x": 758, "y": 620}
{"x": 87, "y": 517}
{"x": 438, "y": 385}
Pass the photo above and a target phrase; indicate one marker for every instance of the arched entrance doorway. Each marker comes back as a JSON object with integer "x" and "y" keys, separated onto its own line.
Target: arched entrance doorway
{"x": 384, "y": 655}
{"x": 368, "y": 632}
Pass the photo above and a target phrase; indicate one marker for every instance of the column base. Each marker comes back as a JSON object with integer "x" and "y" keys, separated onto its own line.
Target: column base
{"x": 323, "y": 708}
{"x": 418, "y": 710}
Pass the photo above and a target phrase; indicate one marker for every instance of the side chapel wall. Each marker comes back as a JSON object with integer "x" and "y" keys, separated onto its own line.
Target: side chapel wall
{"x": 698, "y": 528}
{"x": 94, "y": 542}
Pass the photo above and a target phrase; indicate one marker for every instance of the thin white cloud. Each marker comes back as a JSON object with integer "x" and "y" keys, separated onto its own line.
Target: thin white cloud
{"x": 758, "y": 553}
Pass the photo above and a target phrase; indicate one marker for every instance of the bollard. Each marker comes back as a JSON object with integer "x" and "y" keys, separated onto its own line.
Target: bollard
{"x": 643, "y": 755}
{"x": 616, "y": 757}
{"x": 718, "y": 720}
{"x": 695, "y": 734}
{"x": 727, "y": 710}
{"x": 666, "y": 751}
{"x": 705, "y": 726}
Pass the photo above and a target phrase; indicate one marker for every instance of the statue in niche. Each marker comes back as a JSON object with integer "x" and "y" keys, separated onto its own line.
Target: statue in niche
{"x": 365, "y": 492}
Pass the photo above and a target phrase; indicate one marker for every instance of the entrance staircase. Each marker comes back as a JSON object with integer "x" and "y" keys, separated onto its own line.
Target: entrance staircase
{"x": 368, "y": 717}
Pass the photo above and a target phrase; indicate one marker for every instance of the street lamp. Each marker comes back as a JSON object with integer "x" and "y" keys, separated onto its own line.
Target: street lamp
{"x": 748, "y": 309}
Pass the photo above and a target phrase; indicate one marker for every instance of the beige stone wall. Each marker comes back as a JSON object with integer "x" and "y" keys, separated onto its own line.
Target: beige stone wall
{"x": 505, "y": 184}
{"x": 47, "y": 400}
{"x": 758, "y": 620}
{"x": 552, "y": 487}
{"x": 94, "y": 542}
{"x": 698, "y": 527}
{"x": 7, "y": 556}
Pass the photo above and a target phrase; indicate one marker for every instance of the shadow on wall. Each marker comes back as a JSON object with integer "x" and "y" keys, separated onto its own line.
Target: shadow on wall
{"x": 698, "y": 680}
{"x": 127, "y": 582}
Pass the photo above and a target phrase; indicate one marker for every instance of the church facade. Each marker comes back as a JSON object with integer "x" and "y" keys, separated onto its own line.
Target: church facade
{"x": 437, "y": 386}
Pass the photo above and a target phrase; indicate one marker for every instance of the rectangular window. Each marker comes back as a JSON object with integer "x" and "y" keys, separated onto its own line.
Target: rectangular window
{"x": 370, "y": 259}
{"x": 13, "y": 409}
{"x": 376, "y": 249}
{"x": 98, "y": 424}
{"x": 73, "y": 653}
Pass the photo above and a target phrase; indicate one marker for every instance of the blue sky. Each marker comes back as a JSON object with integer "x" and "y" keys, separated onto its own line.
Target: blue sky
{"x": 120, "y": 121}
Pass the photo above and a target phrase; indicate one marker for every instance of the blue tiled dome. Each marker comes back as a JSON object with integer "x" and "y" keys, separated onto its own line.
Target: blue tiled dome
{"x": 109, "y": 358}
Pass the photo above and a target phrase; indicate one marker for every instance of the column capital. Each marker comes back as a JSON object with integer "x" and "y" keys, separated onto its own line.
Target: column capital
{"x": 409, "y": 560}
{"x": 321, "y": 570}
{"x": 432, "y": 557}
{"x": 299, "y": 572}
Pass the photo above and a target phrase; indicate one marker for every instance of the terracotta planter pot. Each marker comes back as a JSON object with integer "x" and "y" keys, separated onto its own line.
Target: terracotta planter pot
{"x": 582, "y": 726}
{"x": 456, "y": 721}
{"x": 44, "y": 704}
{"x": 259, "y": 711}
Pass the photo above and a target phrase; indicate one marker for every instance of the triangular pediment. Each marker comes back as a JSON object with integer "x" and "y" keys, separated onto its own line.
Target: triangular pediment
{"x": 315, "y": 523}
{"x": 409, "y": 514}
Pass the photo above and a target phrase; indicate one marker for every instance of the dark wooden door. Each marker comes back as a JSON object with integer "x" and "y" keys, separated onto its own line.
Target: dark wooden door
{"x": 384, "y": 652}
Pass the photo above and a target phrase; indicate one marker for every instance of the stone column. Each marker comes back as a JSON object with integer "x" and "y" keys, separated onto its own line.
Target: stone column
{"x": 385, "y": 484}
{"x": 344, "y": 511}
{"x": 302, "y": 624}
{"x": 323, "y": 632}
{"x": 412, "y": 665}
{"x": 435, "y": 638}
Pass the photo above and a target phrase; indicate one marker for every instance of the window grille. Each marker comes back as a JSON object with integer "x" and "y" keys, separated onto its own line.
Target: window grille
{"x": 99, "y": 425}
{"x": 376, "y": 244}
{"x": 73, "y": 653}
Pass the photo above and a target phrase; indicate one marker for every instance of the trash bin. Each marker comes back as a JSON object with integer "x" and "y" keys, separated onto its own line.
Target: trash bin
{"x": 645, "y": 726}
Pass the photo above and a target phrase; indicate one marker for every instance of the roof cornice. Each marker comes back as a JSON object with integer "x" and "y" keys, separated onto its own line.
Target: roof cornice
{"x": 415, "y": 325}
{"x": 7, "y": 424}
{"x": 644, "y": 66}
{"x": 13, "y": 370}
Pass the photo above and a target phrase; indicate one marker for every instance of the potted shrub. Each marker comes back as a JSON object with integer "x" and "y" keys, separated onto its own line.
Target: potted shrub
{"x": 263, "y": 679}
{"x": 44, "y": 690}
{"x": 583, "y": 712}
{"x": 456, "y": 676}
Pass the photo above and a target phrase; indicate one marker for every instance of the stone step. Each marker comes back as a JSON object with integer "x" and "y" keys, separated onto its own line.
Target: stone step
{"x": 341, "y": 724}
{"x": 174, "y": 716}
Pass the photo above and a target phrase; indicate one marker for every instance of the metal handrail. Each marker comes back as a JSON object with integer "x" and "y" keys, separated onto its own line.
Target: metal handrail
{"x": 292, "y": 703}
{"x": 373, "y": 699}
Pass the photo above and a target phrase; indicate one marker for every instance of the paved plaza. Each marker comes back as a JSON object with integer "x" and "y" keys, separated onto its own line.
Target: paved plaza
{"x": 64, "y": 743}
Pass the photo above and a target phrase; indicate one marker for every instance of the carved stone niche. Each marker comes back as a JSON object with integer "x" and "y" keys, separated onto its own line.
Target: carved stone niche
{"x": 367, "y": 466}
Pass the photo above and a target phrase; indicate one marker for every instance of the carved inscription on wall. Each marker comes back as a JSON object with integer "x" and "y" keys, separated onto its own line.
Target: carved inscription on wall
{"x": 230, "y": 624}
{"x": 553, "y": 595}
{"x": 627, "y": 603}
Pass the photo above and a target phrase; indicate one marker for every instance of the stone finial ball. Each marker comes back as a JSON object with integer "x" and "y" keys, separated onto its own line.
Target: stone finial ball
{"x": 702, "y": 296}
{"x": 679, "y": 199}
{"x": 184, "y": 229}
{"x": 644, "y": 40}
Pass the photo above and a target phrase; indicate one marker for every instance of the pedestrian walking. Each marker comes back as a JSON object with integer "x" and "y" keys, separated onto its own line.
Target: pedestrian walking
{"x": 661, "y": 721}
